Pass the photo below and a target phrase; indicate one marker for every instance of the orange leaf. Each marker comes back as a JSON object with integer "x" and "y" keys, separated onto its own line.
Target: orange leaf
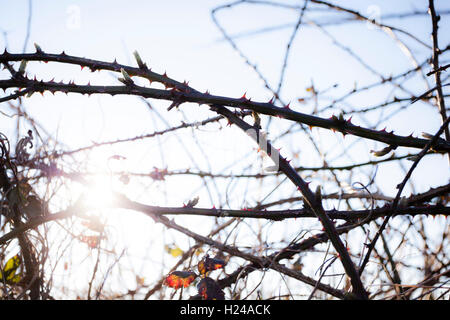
{"x": 178, "y": 279}
{"x": 209, "y": 264}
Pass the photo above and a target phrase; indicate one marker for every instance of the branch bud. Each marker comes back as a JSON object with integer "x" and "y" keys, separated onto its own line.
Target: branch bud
{"x": 38, "y": 48}
{"x": 382, "y": 152}
{"x": 126, "y": 77}
{"x": 23, "y": 65}
{"x": 141, "y": 64}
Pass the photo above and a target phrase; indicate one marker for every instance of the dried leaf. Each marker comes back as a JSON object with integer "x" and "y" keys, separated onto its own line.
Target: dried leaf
{"x": 140, "y": 280}
{"x": 198, "y": 252}
{"x": 210, "y": 289}
{"x": 91, "y": 241}
{"x": 174, "y": 251}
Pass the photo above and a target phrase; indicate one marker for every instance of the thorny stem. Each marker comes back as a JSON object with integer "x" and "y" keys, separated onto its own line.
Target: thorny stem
{"x": 182, "y": 93}
{"x": 436, "y": 71}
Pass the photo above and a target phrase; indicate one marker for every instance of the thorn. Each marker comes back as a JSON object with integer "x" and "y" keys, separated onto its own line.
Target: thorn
{"x": 287, "y": 106}
{"x": 349, "y": 120}
{"x": 271, "y": 100}
{"x": 207, "y": 92}
{"x": 141, "y": 64}
{"x": 173, "y": 104}
{"x": 244, "y": 96}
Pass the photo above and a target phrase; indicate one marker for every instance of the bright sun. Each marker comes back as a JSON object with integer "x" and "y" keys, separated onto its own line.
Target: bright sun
{"x": 99, "y": 191}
